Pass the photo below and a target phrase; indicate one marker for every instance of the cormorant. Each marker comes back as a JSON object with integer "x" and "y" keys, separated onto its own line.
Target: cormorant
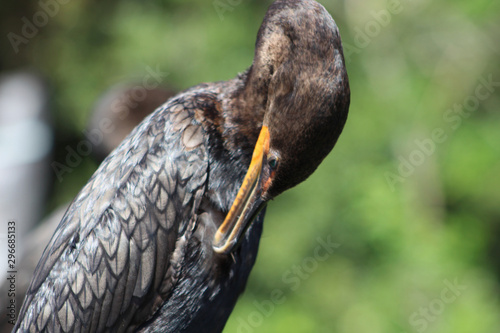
{"x": 164, "y": 235}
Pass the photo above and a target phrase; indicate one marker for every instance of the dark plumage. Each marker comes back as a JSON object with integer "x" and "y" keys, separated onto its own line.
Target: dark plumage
{"x": 164, "y": 235}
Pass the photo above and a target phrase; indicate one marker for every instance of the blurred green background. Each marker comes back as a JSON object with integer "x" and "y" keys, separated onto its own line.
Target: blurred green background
{"x": 410, "y": 195}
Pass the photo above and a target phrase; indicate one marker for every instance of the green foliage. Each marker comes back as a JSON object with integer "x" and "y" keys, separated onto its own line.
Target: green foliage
{"x": 402, "y": 236}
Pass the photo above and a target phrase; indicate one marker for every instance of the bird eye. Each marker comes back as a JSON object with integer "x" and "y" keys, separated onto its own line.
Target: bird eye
{"x": 273, "y": 163}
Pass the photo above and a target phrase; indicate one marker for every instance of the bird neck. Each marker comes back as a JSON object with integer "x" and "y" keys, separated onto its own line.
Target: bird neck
{"x": 244, "y": 110}
{"x": 233, "y": 126}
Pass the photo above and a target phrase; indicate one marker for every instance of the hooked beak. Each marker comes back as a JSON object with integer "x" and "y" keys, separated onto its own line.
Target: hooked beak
{"x": 248, "y": 202}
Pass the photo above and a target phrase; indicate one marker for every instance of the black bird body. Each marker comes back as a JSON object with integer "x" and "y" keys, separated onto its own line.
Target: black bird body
{"x": 165, "y": 233}
{"x": 126, "y": 239}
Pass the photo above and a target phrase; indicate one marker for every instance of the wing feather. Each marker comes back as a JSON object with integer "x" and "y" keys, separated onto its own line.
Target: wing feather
{"x": 111, "y": 263}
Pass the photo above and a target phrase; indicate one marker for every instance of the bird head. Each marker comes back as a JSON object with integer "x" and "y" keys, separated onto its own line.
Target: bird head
{"x": 299, "y": 64}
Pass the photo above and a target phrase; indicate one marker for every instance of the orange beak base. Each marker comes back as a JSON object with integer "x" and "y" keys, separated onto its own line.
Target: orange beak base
{"x": 248, "y": 202}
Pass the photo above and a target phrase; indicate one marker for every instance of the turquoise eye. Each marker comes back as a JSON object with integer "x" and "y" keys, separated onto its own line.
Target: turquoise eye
{"x": 273, "y": 163}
